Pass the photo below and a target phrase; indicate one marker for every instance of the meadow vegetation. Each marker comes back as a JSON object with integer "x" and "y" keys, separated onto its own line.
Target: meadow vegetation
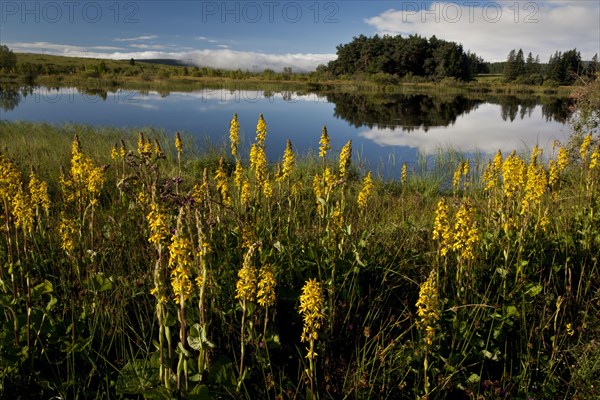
{"x": 136, "y": 265}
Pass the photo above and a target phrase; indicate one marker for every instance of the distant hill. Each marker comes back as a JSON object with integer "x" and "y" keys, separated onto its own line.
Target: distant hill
{"x": 164, "y": 61}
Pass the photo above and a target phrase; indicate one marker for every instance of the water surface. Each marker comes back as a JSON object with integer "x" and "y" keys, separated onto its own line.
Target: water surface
{"x": 386, "y": 130}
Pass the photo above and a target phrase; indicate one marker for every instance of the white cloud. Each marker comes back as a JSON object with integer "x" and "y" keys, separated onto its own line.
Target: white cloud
{"x": 213, "y": 58}
{"x": 147, "y": 46}
{"x": 492, "y": 29}
{"x": 137, "y": 38}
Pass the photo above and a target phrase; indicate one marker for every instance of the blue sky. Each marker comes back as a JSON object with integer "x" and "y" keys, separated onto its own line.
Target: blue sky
{"x": 301, "y": 34}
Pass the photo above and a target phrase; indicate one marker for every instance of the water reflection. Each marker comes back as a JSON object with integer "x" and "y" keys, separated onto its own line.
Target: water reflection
{"x": 9, "y": 98}
{"x": 421, "y": 111}
{"x": 379, "y": 124}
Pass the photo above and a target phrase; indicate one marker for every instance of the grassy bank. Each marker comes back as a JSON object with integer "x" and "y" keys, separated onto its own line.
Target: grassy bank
{"x": 159, "y": 269}
{"x": 58, "y": 71}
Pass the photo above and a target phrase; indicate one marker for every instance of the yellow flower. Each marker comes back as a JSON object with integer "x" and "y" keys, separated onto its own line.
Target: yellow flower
{"x": 312, "y": 303}
{"x": 261, "y": 130}
{"x": 266, "y": 287}
{"x": 595, "y": 160}
{"x": 247, "y": 279}
{"x": 324, "y": 142}
{"x": 403, "y": 174}
{"x": 336, "y": 219}
{"x": 234, "y": 135}
{"x": 245, "y": 196}
{"x": 114, "y": 153}
{"x": 428, "y": 307}
{"x": 345, "y": 159}
{"x": 535, "y": 186}
{"x": 222, "y": 186}
{"x": 562, "y": 159}
{"x": 22, "y": 210}
{"x": 513, "y": 173}
{"x": 9, "y": 178}
{"x": 67, "y": 230}
{"x": 238, "y": 176}
{"x": 267, "y": 189}
{"x": 441, "y": 227}
{"x": 570, "y": 330}
{"x": 366, "y": 191}
{"x": 466, "y": 234}
{"x": 258, "y": 162}
{"x": 289, "y": 160}
{"x": 158, "y": 223}
{"x": 457, "y": 176}
{"x": 180, "y": 259}
{"x": 178, "y": 144}
{"x": 585, "y": 146}
{"x": 38, "y": 191}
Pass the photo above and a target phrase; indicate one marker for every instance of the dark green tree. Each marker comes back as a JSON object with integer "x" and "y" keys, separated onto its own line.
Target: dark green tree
{"x": 8, "y": 59}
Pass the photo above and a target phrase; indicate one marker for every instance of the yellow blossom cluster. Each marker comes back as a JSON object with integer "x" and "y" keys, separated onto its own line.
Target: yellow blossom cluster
{"x": 258, "y": 163}
{"x": 159, "y": 225}
{"x": 144, "y": 146}
{"x": 22, "y": 204}
{"x": 261, "y": 130}
{"x": 428, "y": 308}
{"x": 345, "y": 159}
{"x": 514, "y": 172}
{"x": 180, "y": 256}
{"x": 289, "y": 161}
{"x": 403, "y": 174}
{"x": 234, "y": 135}
{"x": 465, "y": 234}
{"x": 178, "y": 143}
{"x": 585, "y": 147}
{"x": 265, "y": 295}
{"x": 492, "y": 172}
{"x": 461, "y": 170}
{"x": 365, "y": 192}
{"x": 38, "y": 191}
{"x": 222, "y": 184}
{"x": 324, "y": 143}
{"x": 84, "y": 180}
{"x": 536, "y": 183}
{"x": 245, "y": 288}
{"x": 441, "y": 227}
{"x": 68, "y": 232}
{"x": 312, "y": 303}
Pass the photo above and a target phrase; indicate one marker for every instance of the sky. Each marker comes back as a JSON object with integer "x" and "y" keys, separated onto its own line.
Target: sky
{"x": 254, "y": 35}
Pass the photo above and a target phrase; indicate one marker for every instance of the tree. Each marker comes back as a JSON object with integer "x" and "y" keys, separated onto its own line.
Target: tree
{"x": 132, "y": 62}
{"x": 509, "y": 72}
{"x": 8, "y": 59}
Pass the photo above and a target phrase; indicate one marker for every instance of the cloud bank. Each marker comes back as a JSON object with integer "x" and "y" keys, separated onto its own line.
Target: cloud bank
{"x": 223, "y": 58}
{"x": 491, "y": 28}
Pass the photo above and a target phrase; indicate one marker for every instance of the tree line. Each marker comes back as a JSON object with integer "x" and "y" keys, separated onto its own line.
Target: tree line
{"x": 432, "y": 59}
{"x": 561, "y": 69}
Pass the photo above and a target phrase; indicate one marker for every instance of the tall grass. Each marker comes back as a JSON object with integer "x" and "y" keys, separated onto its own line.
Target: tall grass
{"x": 164, "y": 272}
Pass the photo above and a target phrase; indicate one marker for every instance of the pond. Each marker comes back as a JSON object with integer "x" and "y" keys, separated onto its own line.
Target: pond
{"x": 386, "y": 129}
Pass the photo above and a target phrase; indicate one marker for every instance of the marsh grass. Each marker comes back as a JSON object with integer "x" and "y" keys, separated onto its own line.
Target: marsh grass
{"x": 514, "y": 269}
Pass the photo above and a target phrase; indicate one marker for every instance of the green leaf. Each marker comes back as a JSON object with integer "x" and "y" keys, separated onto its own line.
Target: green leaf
{"x": 222, "y": 372}
{"x": 44, "y": 287}
{"x": 200, "y": 392}
{"x": 533, "y": 289}
{"x": 158, "y": 393}
{"x": 99, "y": 283}
{"x": 474, "y": 378}
{"x": 137, "y": 377}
